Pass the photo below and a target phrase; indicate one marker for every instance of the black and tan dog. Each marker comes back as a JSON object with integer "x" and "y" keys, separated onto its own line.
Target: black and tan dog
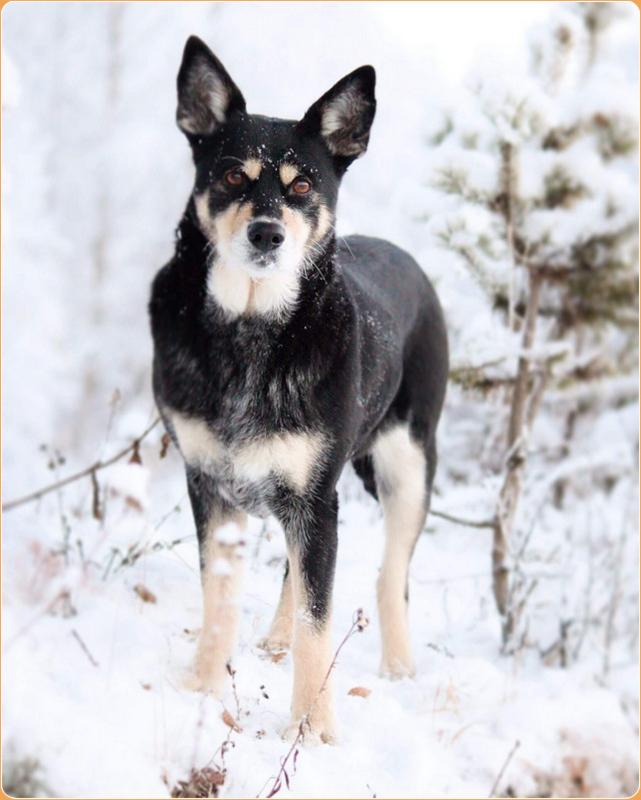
{"x": 281, "y": 353}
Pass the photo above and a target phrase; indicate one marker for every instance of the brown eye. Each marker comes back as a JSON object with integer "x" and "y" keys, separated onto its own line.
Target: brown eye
{"x": 235, "y": 177}
{"x": 301, "y": 186}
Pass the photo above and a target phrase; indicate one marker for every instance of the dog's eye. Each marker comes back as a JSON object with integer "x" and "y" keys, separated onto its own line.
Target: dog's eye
{"x": 235, "y": 177}
{"x": 301, "y": 186}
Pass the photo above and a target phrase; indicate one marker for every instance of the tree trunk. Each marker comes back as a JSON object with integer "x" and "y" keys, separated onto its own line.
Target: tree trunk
{"x": 511, "y": 489}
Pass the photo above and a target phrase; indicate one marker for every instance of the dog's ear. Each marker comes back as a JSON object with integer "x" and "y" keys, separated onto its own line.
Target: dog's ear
{"x": 343, "y": 116}
{"x": 207, "y": 96}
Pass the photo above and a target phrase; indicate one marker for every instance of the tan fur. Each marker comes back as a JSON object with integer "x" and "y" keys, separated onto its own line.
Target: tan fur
{"x": 280, "y": 632}
{"x": 312, "y": 656}
{"x": 288, "y": 172}
{"x": 292, "y": 455}
{"x": 252, "y": 168}
{"x": 197, "y": 444}
{"x": 231, "y": 220}
{"x": 400, "y": 468}
{"x": 202, "y": 212}
{"x": 296, "y": 224}
{"x": 324, "y": 223}
{"x": 221, "y": 579}
{"x": 224, "y": 226}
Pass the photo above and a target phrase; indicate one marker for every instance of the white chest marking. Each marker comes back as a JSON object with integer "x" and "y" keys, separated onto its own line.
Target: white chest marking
{"x": 238, "y": 293}
{"x": 291, "y": 455}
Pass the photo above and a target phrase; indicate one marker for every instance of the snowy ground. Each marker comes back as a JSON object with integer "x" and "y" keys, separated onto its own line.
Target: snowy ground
{"x": 93, "y": 674}
{"x": 119, "y": 722}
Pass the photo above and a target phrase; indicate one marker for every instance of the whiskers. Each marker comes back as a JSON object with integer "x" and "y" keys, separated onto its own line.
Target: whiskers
{"x": 232, "y": 158}
{"x": 313, "y": 250}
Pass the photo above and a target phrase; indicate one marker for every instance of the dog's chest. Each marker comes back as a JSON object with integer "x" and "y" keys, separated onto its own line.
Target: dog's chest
{"x": 249, "y": 471}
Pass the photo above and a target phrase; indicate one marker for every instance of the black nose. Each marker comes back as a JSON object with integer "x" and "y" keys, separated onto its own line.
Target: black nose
{"x": 266, "y": 236}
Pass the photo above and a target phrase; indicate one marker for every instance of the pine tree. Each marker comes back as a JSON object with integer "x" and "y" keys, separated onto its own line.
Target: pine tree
{"x": 545, "y": 173}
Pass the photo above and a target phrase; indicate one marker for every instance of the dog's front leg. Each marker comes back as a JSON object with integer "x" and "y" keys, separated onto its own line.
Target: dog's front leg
{"x": 220, "y": 531}
{"x": 312, "y": 541}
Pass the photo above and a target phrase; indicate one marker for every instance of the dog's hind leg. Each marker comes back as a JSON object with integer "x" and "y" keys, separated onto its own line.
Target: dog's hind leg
{"x": 280, "y": 633}
{"x": 220, "y": 531}
{"x": 401, "y": 470}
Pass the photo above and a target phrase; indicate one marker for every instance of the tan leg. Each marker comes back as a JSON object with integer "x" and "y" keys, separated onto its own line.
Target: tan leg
{"x": 222, "y": 568}
{"x": 280, "y": 633}
{"x": 400, "y": 469}
{"x": 312, "y": 656}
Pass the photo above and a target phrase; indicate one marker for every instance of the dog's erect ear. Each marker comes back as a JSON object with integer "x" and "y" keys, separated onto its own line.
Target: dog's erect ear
{"x": 343, "y": 116}
{"x": 207, "y": 96}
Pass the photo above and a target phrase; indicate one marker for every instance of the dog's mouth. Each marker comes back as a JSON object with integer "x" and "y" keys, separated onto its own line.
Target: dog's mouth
{"x": 263, "y": 262}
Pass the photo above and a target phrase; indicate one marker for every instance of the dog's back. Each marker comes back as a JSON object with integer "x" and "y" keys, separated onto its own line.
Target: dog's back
{"x": 400, "y": 321}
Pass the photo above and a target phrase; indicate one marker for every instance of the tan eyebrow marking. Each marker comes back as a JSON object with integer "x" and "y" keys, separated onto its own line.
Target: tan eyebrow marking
{"x": 288, "y": 172}
{"x": 252, "y": 167}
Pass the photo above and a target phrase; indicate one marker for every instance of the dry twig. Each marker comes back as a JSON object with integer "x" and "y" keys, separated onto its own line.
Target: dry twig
{"x": 359, "y": 623}
{"x": 88, "y": 472}
{"x": 506, "y": 764}
{"x": 84, "y": 647}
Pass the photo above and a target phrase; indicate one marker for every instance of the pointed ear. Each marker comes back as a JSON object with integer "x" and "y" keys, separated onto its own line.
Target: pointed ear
{"x": 343, "y": 116}
{"x": 207, "y": 96}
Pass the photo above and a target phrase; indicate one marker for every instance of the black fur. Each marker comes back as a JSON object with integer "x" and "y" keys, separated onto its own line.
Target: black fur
{"x": 363, "y": 348}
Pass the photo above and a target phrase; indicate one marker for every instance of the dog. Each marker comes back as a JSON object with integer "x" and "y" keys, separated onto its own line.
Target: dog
{"x": 282, "y": 352}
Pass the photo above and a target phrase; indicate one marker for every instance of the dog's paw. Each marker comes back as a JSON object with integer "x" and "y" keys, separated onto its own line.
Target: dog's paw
{"x": 205, "y": 681}
{"x": 312, "y": 732}
{"x": 396, "y": 669}
{"x": 273, "y": 646}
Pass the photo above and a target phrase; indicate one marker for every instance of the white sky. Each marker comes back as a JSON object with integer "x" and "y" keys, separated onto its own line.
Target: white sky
{"x": 459, "y": 33}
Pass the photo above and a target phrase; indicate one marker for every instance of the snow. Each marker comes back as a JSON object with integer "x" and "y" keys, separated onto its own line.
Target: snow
{"x": 95, "y": 178}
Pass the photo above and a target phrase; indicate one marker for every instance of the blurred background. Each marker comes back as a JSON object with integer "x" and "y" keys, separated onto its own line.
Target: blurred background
{"x": 504, "y": 157}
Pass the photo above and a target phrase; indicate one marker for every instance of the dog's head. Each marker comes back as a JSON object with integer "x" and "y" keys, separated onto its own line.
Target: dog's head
{"x": 265, "y": 190}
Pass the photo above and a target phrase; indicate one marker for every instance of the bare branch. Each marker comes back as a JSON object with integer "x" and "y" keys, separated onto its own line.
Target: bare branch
{"x": 506, "y": 763}
{"x": 88, "y": 472}
{"x": 84, "y": 647}
{"x": 469, "y": 523}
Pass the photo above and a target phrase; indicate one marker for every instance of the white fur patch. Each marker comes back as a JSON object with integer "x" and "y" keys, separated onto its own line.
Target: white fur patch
{"x": 239, "y": 293}
{"x": 292, "y": 455}
{"x": 230, "y": 287}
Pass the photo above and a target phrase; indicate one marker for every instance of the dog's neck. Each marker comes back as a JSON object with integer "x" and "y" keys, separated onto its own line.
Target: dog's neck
{"x": 274, "y": 297}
